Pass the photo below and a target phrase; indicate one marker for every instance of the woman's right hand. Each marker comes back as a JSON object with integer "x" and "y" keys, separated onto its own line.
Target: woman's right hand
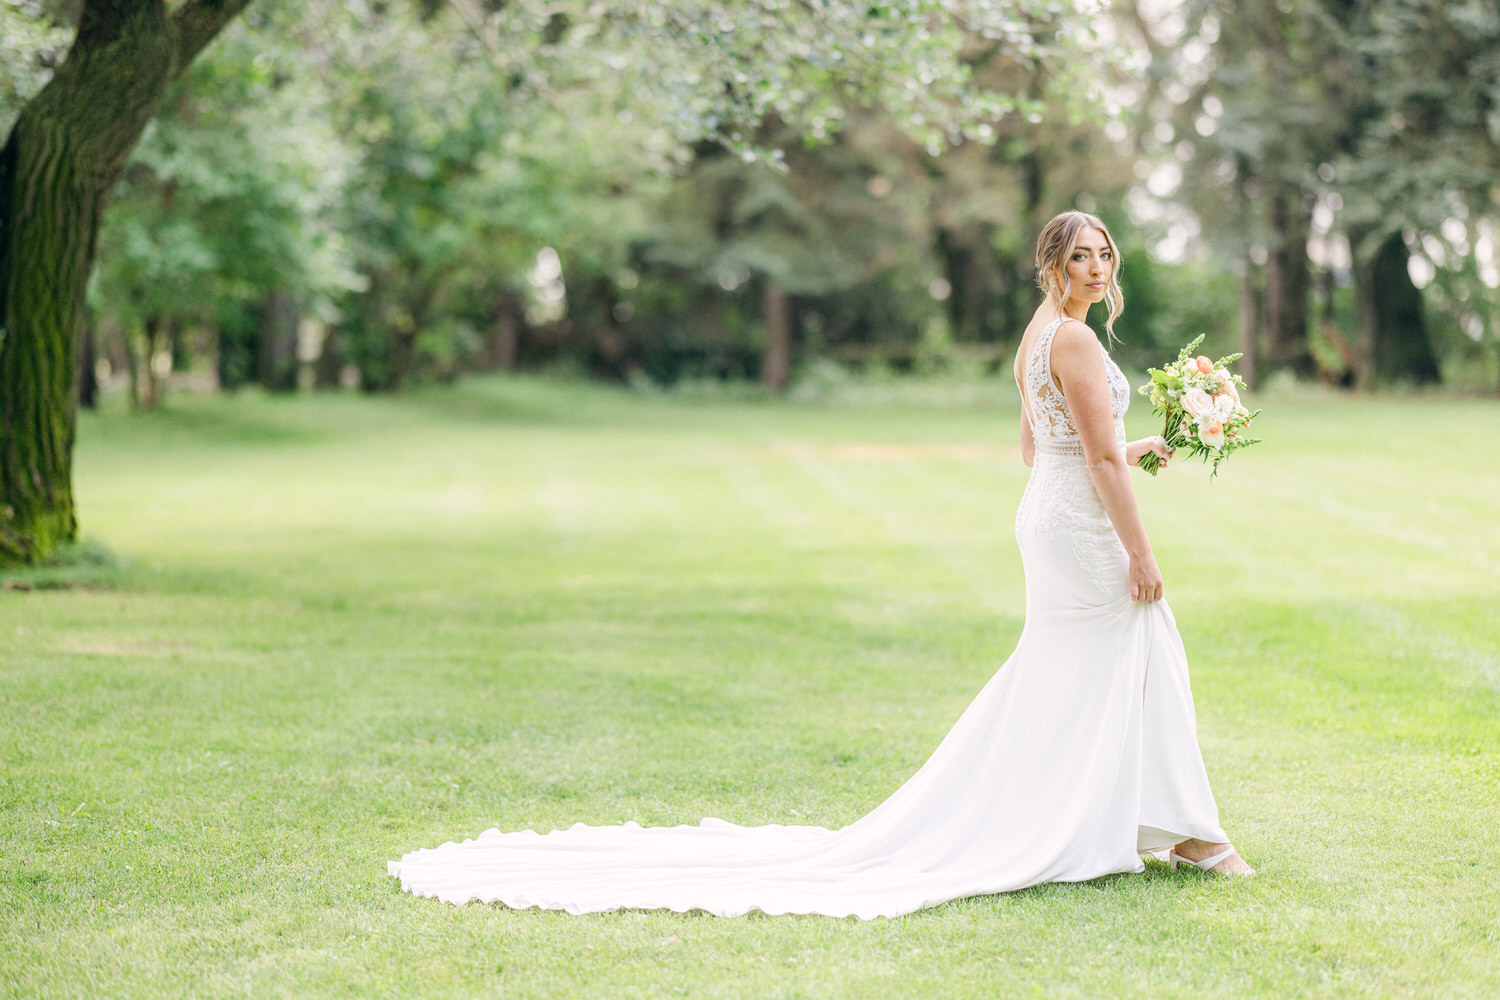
{"x": 1145, "y": 579}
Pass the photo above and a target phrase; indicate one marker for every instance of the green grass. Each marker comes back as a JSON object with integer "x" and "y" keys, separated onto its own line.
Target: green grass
{"x": 339, "y": 629}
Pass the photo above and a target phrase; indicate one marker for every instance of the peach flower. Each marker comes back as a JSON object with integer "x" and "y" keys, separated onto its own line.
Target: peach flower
{"x": 1204, "y": 365}
{"x": 1211, "y": 432}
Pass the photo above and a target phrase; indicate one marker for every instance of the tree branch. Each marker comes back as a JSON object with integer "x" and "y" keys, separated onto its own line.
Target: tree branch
{"x": 197, "y": 22}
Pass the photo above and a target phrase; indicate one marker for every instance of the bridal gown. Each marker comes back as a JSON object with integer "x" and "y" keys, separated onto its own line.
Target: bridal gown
{"x": 1076, "y": 757}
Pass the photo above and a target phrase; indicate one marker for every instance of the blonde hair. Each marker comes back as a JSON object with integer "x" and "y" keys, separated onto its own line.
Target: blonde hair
{"x": 1056, "y": 244}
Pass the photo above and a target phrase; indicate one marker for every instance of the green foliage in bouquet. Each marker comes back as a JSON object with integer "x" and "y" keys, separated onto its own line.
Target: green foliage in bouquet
{"x": 1199, "y": 400}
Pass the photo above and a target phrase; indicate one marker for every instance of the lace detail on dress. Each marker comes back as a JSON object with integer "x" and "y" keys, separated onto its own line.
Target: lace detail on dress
{"x": 1051, "y": 424}
{"x": 1060, "y": 500}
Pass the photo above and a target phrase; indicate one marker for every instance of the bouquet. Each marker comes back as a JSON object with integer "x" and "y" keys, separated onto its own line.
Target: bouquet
{"x": 1200, "y": 400}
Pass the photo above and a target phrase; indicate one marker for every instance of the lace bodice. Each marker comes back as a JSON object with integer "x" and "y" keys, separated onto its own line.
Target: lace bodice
{"x": 1051, "y": 423}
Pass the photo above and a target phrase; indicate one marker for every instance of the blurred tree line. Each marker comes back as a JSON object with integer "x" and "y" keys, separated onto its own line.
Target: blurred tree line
{"x": 378, "y": 191}
{"x": 1340, "y": 158}
{"x": 375, "y": 193}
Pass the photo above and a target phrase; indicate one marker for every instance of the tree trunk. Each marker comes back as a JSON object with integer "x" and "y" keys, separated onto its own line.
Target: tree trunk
{"x": 1365, "y": 318}
{"x": 132, "y": 367}
{"x": 958, "y": 270}
{"x": 328, "y": 369}
{"x": 57, "y": 169}
{"x": 276, "y": 361}
{"x": 1392, "y": 344}
{"x": 88, "y": 361}
{"x": 1345, "y": 376}
{"x": 1403, "y": 350}
{"x": 1287, "y": 286}
{"x": 776, "y": 362}
{"x": 1247, "y": 364}
{"x": 503, "y": 339}
{"x": 149, "y": 354}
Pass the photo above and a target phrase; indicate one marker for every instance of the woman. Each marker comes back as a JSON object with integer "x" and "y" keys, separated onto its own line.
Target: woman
{"x": 1081, "y": 537}
{"x": 1078, "y": 755}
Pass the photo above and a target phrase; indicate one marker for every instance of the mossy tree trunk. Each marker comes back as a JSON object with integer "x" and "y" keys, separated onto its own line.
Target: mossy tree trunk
{"x": 57, "y": 170}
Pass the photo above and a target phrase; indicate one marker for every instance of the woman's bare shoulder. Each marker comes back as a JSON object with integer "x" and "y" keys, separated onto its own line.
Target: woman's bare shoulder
{"x": 1074, "y": 338}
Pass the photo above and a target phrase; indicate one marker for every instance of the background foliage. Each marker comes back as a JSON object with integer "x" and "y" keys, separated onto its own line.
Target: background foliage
{"x": 375, "y": 193}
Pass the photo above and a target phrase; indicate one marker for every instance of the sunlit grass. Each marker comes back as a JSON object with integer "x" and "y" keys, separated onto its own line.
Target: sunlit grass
{"x": 339, "y": 629}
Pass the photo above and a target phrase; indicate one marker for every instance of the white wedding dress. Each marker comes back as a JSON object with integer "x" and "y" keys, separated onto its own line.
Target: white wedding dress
{"x": 1076, "y": 757}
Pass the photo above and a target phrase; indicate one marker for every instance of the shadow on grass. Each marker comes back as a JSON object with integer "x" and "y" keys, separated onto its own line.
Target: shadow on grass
{"x": 76, "y": 566}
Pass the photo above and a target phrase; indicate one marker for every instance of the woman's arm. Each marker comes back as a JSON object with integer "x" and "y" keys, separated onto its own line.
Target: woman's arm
{"x": 1028, "y": 443}
{"x": 1078, "y": 365}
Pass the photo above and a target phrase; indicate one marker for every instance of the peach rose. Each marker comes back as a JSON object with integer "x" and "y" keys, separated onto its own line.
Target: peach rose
{"x": 1197, "y": 402}
{"x": 1211, "y": 432}
{"x": 1204, "y": 365}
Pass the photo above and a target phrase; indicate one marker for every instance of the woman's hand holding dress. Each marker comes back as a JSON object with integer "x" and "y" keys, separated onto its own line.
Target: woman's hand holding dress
{"x": 1078, "y": 366}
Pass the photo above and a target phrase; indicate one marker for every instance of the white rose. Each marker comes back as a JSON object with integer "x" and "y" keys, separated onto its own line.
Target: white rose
{"x": 1197, "y": 402}
{"x": 1211, "y": 431}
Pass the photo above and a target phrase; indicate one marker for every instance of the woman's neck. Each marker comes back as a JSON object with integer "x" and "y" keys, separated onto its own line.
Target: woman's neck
{"x": 1072, "y": 309}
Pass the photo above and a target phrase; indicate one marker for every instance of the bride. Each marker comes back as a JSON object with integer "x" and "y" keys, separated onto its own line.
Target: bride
{"x": 1078, "y": 756}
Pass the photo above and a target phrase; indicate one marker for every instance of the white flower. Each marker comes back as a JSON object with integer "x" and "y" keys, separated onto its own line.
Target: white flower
{"x": 1224, "y": 407}
{"x": 1197, "y": 402}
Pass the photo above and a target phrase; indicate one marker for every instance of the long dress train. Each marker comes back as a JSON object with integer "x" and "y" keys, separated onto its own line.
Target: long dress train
{"x": 1077, "y": 756}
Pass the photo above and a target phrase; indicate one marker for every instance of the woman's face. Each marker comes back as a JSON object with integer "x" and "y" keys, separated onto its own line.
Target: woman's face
{"x": 1089, "y": 267}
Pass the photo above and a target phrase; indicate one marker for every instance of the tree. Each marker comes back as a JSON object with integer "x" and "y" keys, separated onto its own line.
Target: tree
{"x": 814, "y": 229}
{"x": 1364, "y": 127}
{"x": 58, "y": 167}
{"x": 1418, "y": 163}
{"x": 222, "y": 225}
{"x": 1237, "y": 110}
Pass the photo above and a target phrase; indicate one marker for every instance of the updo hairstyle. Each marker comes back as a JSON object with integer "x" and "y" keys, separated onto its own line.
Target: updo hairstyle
{"x": 1053, "y": 248}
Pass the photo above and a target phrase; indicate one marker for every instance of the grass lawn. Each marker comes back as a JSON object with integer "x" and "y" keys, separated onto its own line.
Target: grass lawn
{"x": 347, "y": 628}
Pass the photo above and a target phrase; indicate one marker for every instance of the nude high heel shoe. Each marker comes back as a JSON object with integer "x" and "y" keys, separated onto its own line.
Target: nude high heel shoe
{"x": 1207, "y": 864}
